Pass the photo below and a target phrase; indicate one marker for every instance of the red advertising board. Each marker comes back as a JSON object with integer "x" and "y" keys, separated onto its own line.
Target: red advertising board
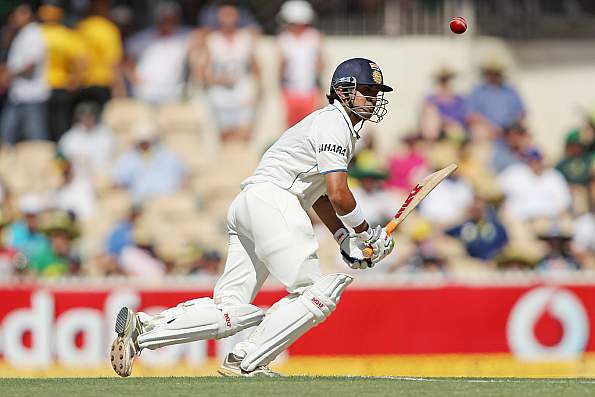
{"x": 39, "y": 324}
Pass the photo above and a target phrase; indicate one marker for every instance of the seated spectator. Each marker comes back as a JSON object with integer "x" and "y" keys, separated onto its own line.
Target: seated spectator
{"x": 149, "y": 168}
{"x": 121, "y": 236}
{"x": 208, "y": 263}
{"x": 509, "y": 149}
{"x": 24, "y": 115}
{"x": 448, "y": 202}
{"x": 583, "y": 240}
{"x": 26, "y": 236}
{"x": 514, "y": 258}
{"x": 494, "y": 105}
{"x": 558, "y": 256}
{"x": 75, "y": 193}
{"x": 482, "y": 233}
{"x": 300, "y": 49}
{"x": 377, "y": 203}
{"x": 10, "y": 261}
{"x": 585, "y": 133}
{"x": 156, "y": 57}
{"x": 407, "y": 168}
{"x": 575, "y": 166}
{"x": 62, "y": 230}
{"x": 444, "y": 110}
{"x": 140, "y": 258}
{"x": 425, "y": 257}
{"x": 231, "y": 75}
{"x": 89, "y": 145}
{"x": 533, "y": 191}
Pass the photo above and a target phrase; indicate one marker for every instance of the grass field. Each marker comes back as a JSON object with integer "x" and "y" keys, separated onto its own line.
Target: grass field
{"x": 296, "y": 386}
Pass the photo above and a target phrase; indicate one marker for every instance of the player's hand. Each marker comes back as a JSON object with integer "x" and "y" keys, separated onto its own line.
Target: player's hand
{"x": 351, "y": 250}
{"x": 379, "y": 240}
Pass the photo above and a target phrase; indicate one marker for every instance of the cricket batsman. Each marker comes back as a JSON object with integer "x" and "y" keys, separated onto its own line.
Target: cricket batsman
{"x": 270, "y": 233}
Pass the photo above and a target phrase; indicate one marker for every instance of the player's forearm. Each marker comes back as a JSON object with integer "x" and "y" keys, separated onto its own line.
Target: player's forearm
{"x": 325, "y": 211}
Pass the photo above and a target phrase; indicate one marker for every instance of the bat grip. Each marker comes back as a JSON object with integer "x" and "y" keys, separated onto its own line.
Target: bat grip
{"x": 391, "y": 226}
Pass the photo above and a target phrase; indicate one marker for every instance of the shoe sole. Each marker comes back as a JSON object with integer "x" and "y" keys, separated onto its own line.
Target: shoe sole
{"x": 119, "y": 349}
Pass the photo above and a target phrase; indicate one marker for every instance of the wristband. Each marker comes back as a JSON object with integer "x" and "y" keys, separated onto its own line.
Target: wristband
{"x": 354, "y": 218}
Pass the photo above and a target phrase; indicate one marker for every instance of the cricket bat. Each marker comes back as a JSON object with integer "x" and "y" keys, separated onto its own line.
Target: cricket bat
{"x": 417, "y": 194}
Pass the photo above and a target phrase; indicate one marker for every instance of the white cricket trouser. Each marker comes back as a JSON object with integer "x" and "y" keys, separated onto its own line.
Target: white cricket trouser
{"x": 269, "y": 233}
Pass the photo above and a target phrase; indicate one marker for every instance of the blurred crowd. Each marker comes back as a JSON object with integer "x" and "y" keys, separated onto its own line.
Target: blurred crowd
{"x": 102, "y": 170}
{"x": 507, "y": 207}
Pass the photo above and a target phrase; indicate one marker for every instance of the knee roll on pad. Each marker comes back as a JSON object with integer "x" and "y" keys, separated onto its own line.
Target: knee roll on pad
{"x": 197, "y": 319}
{"x": 282, "y": 326}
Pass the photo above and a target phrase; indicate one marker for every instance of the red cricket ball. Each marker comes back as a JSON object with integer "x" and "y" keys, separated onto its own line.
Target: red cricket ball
{"x": 458, "y": 25}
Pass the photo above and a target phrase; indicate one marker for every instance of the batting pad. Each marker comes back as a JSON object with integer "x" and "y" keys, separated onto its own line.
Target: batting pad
{"x": 292, "y": 318}
{"x": 197, "y": 319}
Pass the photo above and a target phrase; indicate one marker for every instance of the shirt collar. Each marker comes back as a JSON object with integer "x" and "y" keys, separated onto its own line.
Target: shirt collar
{"x": 339, "y": 106}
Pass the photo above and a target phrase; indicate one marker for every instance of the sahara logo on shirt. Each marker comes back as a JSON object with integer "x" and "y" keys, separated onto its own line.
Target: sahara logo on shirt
{"x": 327, "y": 147}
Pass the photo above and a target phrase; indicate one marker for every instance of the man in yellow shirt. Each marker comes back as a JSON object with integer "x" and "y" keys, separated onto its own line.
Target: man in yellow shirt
{"x": 104, "y": 44}
{"x": 65, "y": 64}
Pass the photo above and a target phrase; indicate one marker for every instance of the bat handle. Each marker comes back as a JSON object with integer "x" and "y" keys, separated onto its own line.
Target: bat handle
{"x": 391, "y": 226}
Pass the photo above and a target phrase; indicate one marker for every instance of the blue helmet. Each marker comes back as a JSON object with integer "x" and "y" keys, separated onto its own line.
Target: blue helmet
{"x": 363, "y": 71}
{"x": 355, "y": 72}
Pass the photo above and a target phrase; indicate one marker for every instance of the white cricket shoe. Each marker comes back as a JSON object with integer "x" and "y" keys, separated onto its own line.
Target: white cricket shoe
{"x": 124, "y": 348}
{"x": 231, "y": 367}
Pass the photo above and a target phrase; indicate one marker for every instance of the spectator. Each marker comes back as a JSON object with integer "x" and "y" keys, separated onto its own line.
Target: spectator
{"x": 448, "y": 202}
{"x": 149, "y": 168}
{"x": 482, "y": 233}
{"x": 376, "y": 203}
{"x": 509, "y": 149}
{"x": 208, "y": 19}
{"x": 514, "y": 258}
{"x": 583, "y": 241}
{"x": 140, "y": 259}
{"x": 444, "y": 110}
{"x": 102, "y": 39}
{"x": 75, "y": 194}
{"x": 207, "y": 263}
{"x": 407, "y": 168}
{"x": 425, "y": 257}
{"x": 62, "y": 230}
{"x": 26, "y": 236}
{"x": 156, "y": 57}
{"x": 66, "y": 63}
{"x": 585, "y": 133}
{"x": 228, "y": 71}
{"x": 533, "y": 191}
{"x": 89, "y": 144}
{"x": 558, "y": 256}
{"x": 25, "y": 112}
{"x": 494, "y": 105}
{"x": 9, "y": 257}
{"x": 121, "y": 236}
{"x": 575, "y": 166}
{"x": 300, "y": 48}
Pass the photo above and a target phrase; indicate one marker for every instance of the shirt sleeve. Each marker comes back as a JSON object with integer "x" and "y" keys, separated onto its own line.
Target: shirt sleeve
{"x": 332, "y": 146}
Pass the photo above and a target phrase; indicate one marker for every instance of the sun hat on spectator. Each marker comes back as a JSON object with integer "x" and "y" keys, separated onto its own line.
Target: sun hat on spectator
{"x": 31, "y": 204}
{"x": 297, "y": 12}
{"x": 59, "y": 222}
{"x": 145, "y": 132}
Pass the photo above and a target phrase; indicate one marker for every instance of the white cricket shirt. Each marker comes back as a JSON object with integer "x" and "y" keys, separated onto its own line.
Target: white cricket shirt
{"x": 322, "y": 142}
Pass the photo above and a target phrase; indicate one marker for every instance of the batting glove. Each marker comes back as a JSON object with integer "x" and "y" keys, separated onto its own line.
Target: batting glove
{"x": 351, "y": 250}
{"x": 379, "y": 240}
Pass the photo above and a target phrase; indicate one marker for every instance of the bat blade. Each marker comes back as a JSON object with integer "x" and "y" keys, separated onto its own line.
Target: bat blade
{"x": 417, "y": 194}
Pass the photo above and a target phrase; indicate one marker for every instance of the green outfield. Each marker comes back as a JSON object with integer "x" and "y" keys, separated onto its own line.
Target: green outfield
{"x": 296, "y": 386}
